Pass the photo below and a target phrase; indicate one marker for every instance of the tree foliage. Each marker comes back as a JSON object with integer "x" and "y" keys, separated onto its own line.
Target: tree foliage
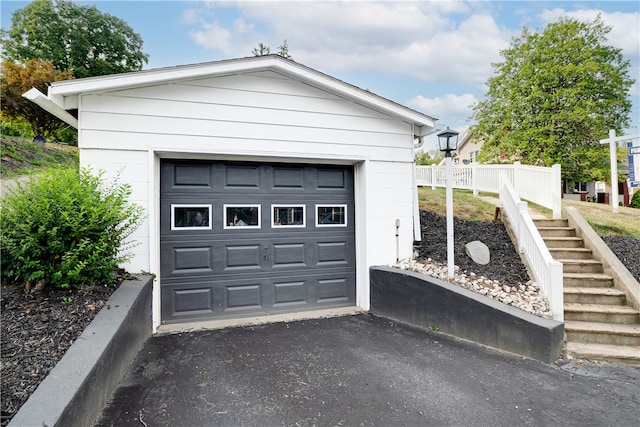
{"x": 16, "y": 79}
{"x": 426, "y": 158}
{"x": 553, "y": 97}
{"x": 283, "y": 50}
{"x": 77, "y": 38}
{"x": 263, "y": 50}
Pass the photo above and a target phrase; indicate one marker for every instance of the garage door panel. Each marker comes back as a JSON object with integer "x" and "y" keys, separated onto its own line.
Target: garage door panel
{"x": 243, "y": 297}
{"x": 289, "y": 294}
{"x": 241, "y": 258}
{"x": 335, "y": 289}
{"x": 289, "y": 255}
{"x": 247, "y": 177}
{"x": 288, "y": 178}
{"x": 192, "y": 175}
{"x": 192, "y": 301}
{"x": 332, "y": 253}
{"x": 192, "y": 260}
{"x": 332, "y": 179}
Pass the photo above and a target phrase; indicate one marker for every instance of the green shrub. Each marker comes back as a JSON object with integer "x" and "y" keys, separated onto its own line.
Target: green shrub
{"x": 635, "y": 200}
{"x": 67, "y": 228}
{"x": 68, "y": 136}
{"x": 11, "y": 126}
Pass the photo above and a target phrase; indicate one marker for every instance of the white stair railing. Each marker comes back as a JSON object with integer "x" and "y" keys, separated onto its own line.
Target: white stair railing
{"x": 546, "y": 271}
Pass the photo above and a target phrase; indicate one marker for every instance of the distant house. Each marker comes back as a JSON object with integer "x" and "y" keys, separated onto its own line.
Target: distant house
{"x": 468, "y": 150}
{"x": 269, "y": 187}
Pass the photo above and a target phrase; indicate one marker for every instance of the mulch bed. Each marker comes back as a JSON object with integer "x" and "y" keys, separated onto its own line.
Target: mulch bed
{"x": 505, "y": 265}
{"x": 627, "y": 249}
{"x": 37, "y": 329}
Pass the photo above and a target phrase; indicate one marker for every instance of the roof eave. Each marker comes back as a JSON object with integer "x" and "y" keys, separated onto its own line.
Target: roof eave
{"x": 44, "y": 102}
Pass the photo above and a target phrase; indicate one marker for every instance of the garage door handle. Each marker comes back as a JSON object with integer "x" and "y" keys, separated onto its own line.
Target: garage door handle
{"x": 266, "y": 252}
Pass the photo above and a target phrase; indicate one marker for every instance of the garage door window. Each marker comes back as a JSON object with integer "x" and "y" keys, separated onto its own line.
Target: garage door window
{"x": 331, "y": 215}
{"x": 195, "y": 217}
{"x": 288, "y": 216}
{"x": 241, "y": 216}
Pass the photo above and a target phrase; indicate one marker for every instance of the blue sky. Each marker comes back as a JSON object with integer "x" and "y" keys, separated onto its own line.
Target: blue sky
{"x": 433, "y": 56}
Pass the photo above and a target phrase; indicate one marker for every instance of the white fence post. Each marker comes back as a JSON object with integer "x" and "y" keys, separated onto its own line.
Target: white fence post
{"x": 556, "y": 297}
{"x": 474, "y": 178}
{"x": 522, "y": 211}
{"x": 516, "y": 173}
{"x": 433, "y": 177}
{"x": 556, "y": 191}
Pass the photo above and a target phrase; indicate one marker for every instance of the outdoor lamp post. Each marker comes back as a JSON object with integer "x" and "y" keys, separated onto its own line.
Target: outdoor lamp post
{"x": 448, "y": 141}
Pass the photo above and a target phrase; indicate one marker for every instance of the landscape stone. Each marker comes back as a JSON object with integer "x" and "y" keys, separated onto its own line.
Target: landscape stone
{"x": 478, "y": 252}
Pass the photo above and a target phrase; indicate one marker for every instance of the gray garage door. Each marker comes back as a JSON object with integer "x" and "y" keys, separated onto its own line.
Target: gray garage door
{"x": 241, "y": 239}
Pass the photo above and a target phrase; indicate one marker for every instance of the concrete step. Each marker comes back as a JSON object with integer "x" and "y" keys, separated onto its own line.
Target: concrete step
{"x": 557, "y": 231}
{"x": 591, "y": 295}
{"x": 601, "y": 313}
{"x": 561, "y": 222}
{"x": 587, "y": 280}
{"x": 563, "y": 242}
{"x": 611, "y": 353}
{"x": 583, "y": 266}
{"x": 602, "y": 333}
{"x": 571, "y": 253}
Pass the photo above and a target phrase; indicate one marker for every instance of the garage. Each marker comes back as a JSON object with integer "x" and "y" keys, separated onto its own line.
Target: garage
{"x": 269, "y": 187}
{"x": 241, "y": 238}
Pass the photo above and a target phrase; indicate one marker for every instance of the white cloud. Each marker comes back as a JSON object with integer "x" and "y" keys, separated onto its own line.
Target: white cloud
{"x": 418, "y": 39}
{"x": 452, "y": 110}
{"x": 213, "y": 36}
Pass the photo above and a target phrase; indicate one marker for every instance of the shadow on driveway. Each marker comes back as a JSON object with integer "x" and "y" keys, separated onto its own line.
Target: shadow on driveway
{"x": 359, "y": 370}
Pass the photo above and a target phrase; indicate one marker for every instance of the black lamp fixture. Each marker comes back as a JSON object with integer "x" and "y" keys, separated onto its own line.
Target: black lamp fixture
{"x": 448, "y": 141}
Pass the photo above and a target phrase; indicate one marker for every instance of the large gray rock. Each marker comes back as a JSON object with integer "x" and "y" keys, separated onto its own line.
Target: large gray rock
{"x": 478, "y": 252}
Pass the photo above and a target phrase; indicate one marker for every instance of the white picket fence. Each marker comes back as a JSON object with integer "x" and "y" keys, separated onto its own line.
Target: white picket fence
{"x": 540, "y": 185}
{"x": 546, "y": 271}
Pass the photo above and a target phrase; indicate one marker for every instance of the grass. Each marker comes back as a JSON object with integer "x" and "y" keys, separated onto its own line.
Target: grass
{"x": 21, "y": 157}
{"x": 467, "y": 206}
{"x": 601, "y": 217}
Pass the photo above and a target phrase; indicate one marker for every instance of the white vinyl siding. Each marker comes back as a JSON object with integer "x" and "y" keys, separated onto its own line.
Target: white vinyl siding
{"x": 290, "y": 115}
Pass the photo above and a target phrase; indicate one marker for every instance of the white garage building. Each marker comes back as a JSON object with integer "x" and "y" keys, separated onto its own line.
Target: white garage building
{"x": 270, "y": 187}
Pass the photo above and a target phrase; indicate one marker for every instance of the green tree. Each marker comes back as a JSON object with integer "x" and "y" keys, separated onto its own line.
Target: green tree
{"x": 553, "y": 97}
{"x": 261, "y": 50}
{"x": 283, "y": 50}
{"x": 426, "y": 158}
{"x": 77, "y": 38}
{"x": 16, "y": 79}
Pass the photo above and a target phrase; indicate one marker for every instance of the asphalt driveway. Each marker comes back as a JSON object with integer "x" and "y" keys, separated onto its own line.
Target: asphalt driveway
{"x": 360, "y": 371}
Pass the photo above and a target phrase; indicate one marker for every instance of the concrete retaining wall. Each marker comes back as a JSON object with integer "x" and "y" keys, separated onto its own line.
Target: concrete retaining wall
{"x": 429, "y": 302}
{"x": 77, "y": 389}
